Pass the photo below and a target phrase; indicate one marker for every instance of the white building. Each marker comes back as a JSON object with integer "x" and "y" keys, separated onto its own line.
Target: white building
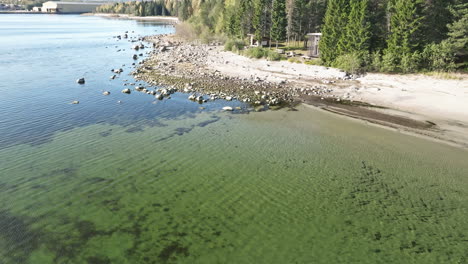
{"x": 69, "y": 7}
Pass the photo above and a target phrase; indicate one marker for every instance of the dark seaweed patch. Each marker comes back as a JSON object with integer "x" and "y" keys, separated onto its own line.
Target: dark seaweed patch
{"x": 97, "y": 180}
{"x": 205, "y": 123}
{"x": 105, "y": 133}
{"x": 98, "y": 260}
{"x": 174, "y": 249}
{"x": 134, "y": 129}
{"x": 87, "y": 230}
{"x": 18, "y": 234}
{"x": 182, "y": 130}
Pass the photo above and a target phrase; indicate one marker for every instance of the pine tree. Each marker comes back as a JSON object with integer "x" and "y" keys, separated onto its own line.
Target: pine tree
{"x": 279, "y": 22}
{"x": 333, "y": 29}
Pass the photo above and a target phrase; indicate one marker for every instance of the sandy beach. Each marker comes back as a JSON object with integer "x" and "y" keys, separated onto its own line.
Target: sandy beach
{"x": 419, "y": 104}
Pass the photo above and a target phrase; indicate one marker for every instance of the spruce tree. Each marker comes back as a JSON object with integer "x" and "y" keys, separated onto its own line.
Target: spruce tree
{"x": 458, "y": 30}
{"x": 405, "y": 22}
{"x": 279, "y": 22}
{"x": 333, "y": 30}
{"x": 259, "y": 19}
{"x": 356, "y": 38}
{"x": 245, "y": 17}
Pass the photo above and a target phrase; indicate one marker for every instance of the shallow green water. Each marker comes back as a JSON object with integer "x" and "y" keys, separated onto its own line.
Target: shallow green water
{"x": 275, "y": 187}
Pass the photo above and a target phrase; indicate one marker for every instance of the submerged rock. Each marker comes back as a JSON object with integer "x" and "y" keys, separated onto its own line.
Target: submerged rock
{"x": 75, "y": 102}
{"x": 126, "y": 91}
{"x": 106, "y": 93}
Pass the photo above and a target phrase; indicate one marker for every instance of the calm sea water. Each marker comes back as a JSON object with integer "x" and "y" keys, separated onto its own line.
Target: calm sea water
{"x": 147, "y": 181}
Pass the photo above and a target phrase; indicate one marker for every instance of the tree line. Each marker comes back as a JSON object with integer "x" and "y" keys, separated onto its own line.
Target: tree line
{"x": 376, "y": 35}
{"x": 137, "y": 8}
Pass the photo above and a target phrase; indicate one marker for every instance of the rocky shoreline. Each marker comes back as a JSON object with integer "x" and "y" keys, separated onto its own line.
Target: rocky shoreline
{"x": 184, "y": 66}
{"x": 205, "y": 72}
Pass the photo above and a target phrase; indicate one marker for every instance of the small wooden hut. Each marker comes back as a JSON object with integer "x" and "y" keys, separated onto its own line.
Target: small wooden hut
{"x": 265, "y": 42}
{"x": 313, "y": 44}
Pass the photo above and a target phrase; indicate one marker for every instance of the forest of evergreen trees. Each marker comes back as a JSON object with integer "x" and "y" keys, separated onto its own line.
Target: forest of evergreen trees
{"x": 137, "y": 8}
{"x": 373, "y": 35}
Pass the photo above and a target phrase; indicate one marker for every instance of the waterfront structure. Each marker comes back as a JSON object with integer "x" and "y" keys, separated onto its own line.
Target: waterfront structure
{"x": 69, "y": 7}
{"x": 313, "y": 44}
{"x": 265, "y": 42}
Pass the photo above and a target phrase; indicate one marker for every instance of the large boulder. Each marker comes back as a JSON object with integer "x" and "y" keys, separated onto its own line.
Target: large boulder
{"x": 126, "y": 91}
{"x": 80, "y": 81}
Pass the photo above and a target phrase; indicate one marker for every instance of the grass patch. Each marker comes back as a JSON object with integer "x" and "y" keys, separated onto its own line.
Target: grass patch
{"x": 234, "y": 45}
{"x": 295, "y": 60}
{"x": 446, "y": 75}
{"x": 259, "y": 53}
{"x": 317, "y": 62}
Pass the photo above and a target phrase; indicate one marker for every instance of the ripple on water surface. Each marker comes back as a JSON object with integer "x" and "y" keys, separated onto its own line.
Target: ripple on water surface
{"x": 150, "y": 181}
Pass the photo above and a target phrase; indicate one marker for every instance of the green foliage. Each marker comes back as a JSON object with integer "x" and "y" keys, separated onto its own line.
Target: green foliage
{"x": 258, "y": 53}
{"x": 357, "y": 33}
{"x": 279, "y": 22}
{"x": 439, "y": 57}
{"x": 260, "y": 16}
{"x": 150, "y": 8}
{"x": 273, "y": 56}
{"x": 332, "y": 31}
{"x": 351, "y": 63}
{"x": 405, "y": 22}
{"x": 317, "y": 62}
{"x": 385, "y": 35}
{"x": 375, "y": 62}
{"x": 458, "y": 30}
{"x": 294, "y": 60}
{"x": 234, "y": 45}
{"x": 410, "y": 62}
{"x": 436, "y": 18}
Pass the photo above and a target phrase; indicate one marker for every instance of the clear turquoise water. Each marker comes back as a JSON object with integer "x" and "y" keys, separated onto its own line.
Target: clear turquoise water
{"x": 150, "y": 181}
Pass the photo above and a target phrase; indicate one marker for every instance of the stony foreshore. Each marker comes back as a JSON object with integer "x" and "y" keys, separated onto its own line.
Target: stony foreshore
{"x": 189, "y": 68}
{"x": 413, "y": 103}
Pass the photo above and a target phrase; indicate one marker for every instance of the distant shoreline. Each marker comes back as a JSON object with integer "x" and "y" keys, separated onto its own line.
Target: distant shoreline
{"x": 168, "y": 19}
{"x": 21, "y": 12}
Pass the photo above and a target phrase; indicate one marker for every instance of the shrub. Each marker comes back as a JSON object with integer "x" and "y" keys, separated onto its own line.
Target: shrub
{"x": 256, "y": 52}
{"x": 410, "y": 62}
{"x": 294, "y": 60}
{"x": 314, "y": 62}
{"x": 234, "y": 45}
{"x": 389, "y": 63}
{"x": 273, "y": 56}
{"x": 186, "y": 31}
{"x": 439, "y": 57}
{"x": 351, "y": 63}
{"x": 375, "y": 62}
